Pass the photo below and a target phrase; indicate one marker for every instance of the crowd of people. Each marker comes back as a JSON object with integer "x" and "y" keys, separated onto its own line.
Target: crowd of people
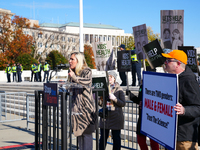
{"x": 187, "y": 108}
{"x": 16, "y": 72}
{"x": 84, "y": 118}
{"x": 36, "y": 68}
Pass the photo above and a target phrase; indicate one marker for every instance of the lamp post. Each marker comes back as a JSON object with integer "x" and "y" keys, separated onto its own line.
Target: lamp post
{"x": 81, "y": 24}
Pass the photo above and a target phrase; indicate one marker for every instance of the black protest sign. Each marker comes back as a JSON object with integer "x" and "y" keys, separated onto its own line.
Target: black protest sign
{"x": 100, "y": 83}
{"x": 154, "y": 52}
{"x": 124, "y": 61}
{"x": 192, "y": 57}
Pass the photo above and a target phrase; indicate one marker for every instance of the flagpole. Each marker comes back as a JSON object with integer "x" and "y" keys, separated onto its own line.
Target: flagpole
{"x": 81, "y": 25}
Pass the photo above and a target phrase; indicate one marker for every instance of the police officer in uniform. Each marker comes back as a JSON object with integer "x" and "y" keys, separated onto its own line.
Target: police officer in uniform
{"x": 32, "y": 72}
{"x": 14, "y": 70}
{"x": 136, "y": 68}
{"x": 39, "y": 72}
{"x": 19, "y": 72}
{"x": 46, "y": 71}
{"x": 8, "y": 72}
{"x": 35, "y": 71}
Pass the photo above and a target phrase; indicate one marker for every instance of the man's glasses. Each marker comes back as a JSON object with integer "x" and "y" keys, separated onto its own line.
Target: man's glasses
{"x": 170, "y": 60}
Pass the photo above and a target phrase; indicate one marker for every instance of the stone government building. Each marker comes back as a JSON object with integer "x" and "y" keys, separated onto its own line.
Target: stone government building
{"x": 65, "y": 37}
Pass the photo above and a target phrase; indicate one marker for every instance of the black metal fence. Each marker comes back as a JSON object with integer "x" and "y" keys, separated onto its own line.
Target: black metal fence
{"x": 53, "y": 124}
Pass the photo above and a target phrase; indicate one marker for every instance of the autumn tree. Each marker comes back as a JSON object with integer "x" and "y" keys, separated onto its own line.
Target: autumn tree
{"x": 89, "y": 56}
{"x": 13, "y": 40}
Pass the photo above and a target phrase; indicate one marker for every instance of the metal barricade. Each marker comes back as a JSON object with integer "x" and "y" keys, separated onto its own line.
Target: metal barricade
{"x": 12, "y": 106}
{"x": 53, "y": 126}
{"x": 56, "y": 121}
{"x": 30, "y": 109}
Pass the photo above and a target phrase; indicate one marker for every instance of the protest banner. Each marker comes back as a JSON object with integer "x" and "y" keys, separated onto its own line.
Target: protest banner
{"x": 100, "y": 83}
{"x": 124, "y": 61}
{"x": 141, "y": 39}
{"x": 104, "y": 56}
{"x": 154, "y": 52}
{"x": 192, "y": 57}
{"x": 159, "y": 120}
{"x": 51, "y": 94}
{"x": 172, "y": 22}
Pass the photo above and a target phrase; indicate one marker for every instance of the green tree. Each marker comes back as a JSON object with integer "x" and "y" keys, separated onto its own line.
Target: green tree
{"x": 55, "y": 58}
{"x": 26, "y": 60}
{"x": 89, "y": 56}
{"x": 152, "y": 36}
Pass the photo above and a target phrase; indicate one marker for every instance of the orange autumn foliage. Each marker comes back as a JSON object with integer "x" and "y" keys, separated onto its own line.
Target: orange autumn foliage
{"x": 13, "y": 40}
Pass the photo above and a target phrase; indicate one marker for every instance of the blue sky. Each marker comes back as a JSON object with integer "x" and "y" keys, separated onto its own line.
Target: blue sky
{"x": 122, "y": 14}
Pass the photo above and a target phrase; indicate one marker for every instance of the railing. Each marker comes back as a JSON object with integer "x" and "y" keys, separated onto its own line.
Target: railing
{"x": 21, "y": 106}
{"x": 12, "y": 106}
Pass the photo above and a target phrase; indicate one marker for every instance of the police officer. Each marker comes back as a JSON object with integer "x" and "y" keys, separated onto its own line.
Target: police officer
{"x": 35, "y": 71}
{"x": 136, "y": 68}
{"x": 39, "y": 72}
{"x": 19, "y": 72}
{"x": 22, "y": 68}
{"x": 32, "y": 72}
{"x": 46, "y": 71}
{"x": 8, "y": 72}
{"x": 14, "y": 70}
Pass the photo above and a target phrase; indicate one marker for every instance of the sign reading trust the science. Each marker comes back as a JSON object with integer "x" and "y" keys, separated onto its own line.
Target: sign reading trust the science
{"x": 160, "y": 94}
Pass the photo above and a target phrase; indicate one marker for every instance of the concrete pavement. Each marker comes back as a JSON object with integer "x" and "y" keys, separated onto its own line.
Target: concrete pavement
{"x": 15, "y": 136}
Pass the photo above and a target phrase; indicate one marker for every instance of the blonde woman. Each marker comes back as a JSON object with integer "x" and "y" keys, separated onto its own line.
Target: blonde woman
{"x": 83, "y": 106}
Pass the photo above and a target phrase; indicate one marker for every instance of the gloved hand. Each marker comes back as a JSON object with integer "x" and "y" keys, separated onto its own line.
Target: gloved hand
{"x": 112, "y": 96}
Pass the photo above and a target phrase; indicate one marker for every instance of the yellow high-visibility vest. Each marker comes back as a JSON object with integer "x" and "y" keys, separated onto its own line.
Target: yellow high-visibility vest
{"x": 134, "y": 57}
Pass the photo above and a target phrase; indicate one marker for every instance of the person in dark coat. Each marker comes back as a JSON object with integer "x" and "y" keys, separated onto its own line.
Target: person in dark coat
{"x": 188, "y": 106}
{"x": 123, "y": 74}
{"x": 19, "y": 68}
{"x": 115, "y": 119}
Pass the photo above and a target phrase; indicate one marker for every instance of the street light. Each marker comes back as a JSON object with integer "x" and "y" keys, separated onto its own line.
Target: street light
{"x": 81, "y": 24}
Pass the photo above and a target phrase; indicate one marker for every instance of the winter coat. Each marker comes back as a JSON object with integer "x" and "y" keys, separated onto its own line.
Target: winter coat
{"x": 189, "y": 97}
{"x": 83, "y": 104}
{"x": 115, "y": 118}
{"x": 138, "y": 100}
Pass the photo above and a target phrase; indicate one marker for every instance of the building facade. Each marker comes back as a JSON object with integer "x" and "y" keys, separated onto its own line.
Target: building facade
{"x": 65, "y": 37}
